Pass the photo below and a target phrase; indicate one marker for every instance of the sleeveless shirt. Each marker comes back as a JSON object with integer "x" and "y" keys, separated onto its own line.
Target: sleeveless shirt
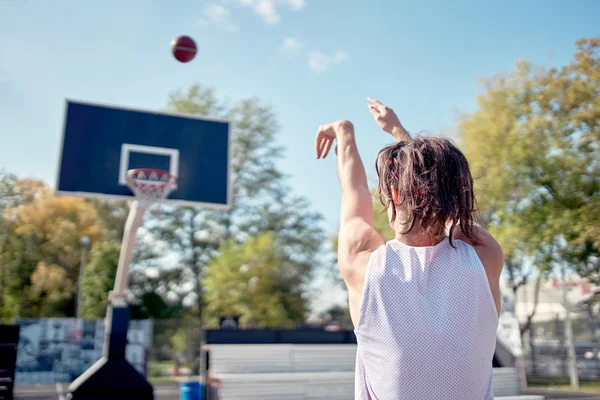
{"x": 427, "y": 325}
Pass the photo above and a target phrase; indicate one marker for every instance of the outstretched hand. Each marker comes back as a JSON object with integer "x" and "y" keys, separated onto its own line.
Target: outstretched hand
{"x": 326, "y": 135}
{"x": 387, "y": 119}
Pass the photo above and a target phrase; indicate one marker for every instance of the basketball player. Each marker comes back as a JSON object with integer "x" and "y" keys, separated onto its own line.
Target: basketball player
{"x": 424, "y": 305}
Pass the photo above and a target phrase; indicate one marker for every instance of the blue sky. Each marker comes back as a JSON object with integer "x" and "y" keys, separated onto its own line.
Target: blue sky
{"x": 313, "y": 60}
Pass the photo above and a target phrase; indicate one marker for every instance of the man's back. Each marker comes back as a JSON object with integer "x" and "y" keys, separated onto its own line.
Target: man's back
{"x": 428, "y": 313}
{"x": 427, "y": 324}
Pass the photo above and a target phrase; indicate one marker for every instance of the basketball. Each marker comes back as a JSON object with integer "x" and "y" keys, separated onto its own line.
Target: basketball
{"x": 183, "y": 48}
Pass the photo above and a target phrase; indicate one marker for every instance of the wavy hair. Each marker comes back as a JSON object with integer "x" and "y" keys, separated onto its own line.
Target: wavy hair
{"x": 434, "y": 184}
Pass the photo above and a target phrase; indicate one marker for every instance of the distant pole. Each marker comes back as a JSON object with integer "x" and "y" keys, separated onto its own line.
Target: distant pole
{"x": 571, "y": 355}
{"x": 85, "y": 245}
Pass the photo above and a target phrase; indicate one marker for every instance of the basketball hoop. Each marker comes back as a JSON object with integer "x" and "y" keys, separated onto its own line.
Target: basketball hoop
{"x": 149, "y": 185}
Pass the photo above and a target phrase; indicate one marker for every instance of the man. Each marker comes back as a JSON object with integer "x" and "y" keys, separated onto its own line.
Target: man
{"x": 424, "y": 305}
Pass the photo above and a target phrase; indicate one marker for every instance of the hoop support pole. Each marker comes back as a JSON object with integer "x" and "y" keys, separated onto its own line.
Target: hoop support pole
{"x": 134, "y": 221}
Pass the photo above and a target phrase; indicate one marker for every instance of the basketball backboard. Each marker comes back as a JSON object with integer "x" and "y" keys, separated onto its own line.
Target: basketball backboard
{"x": 101, "y": 143}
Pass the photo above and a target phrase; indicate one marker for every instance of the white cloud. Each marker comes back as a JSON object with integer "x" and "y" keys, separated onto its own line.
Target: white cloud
{"x": 297, "y": 4}
{"x": 264, "y": 8}
{"x": 219, "y": 15}
{"x": 319, "y": 62}
{"x": 340, "y": 57}
{"x": 268, "y": 9}
{"x": 291, "y": 44}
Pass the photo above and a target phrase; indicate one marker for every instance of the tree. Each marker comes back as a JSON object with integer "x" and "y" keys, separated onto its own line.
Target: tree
{"x": 6, "y": 193}
{"x": 40, "y": 249}
{"x": 255, "y": 281}
{"x": 40, "y": 252}
{"x": 111, "y": 215}
{"x": 534, "y": 147}
{"x": 157, "y": 295}
{"x": 99, "y": 278}
{"x": 58, "y": 223}
{"x": 14, "y": 193}
{"x": 337, "y": 313}
{"x": 51, "y": 291}
{"x": 261, "y": 200}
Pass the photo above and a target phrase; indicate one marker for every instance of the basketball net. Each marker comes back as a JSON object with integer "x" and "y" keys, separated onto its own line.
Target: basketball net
{"x": 150, "y": 185}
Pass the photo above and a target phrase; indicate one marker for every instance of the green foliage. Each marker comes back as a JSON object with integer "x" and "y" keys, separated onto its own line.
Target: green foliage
{"x": 98, "y": 279}
{"x": 39, "y": 232}
{"x": 50, "y": 291}
{"x": 111, "y": 215}
{"x": 16, "y": 267}
{"x": 40, "y": 249}
{"x": 255, "y": 281}
{"x": 534, "y": 148}
{"x": 154, "y": 306}
{"x": 338, "y": 313}
{"x": 261, "y": 199}
{"x": 180, "y": 341}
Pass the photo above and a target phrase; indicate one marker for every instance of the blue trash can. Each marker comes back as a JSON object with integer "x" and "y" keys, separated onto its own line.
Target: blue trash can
{"x": 191, "y": 391}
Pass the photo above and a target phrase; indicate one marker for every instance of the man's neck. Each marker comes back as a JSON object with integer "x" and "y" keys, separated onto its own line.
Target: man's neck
{"x": 417, "y": 237}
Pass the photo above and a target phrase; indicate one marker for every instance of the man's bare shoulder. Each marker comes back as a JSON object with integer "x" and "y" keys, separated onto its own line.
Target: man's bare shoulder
{"x": 357, "y": 240}
{"x": 491, "y": 256}
{"x": 486, "y": 246}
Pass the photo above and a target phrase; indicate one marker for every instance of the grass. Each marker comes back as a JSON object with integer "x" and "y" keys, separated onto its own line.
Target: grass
{"x": 560, "y": 383}
{"x": 160, "y": 379}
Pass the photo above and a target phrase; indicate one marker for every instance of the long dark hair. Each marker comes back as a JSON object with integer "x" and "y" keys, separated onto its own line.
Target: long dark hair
{"x": 434, "y": 183}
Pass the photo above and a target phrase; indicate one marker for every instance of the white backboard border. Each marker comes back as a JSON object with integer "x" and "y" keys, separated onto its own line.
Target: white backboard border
{"x": 127, "y": 148}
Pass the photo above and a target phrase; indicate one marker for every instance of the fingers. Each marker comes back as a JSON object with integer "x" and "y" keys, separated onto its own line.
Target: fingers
{"x": 376, "y": 103}
{"x": 328, "y": 144}
{"x": 323, "y": 145}
{"x": 374, "y": 111}
{"x": 320, "y": 145}
{"x": 317, "y": 140}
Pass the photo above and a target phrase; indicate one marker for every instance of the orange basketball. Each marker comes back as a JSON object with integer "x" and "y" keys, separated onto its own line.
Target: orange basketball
{"x": 183, "y": 48}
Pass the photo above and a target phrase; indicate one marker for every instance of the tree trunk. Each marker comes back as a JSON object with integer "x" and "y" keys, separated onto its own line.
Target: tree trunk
{"x": 570, "y": 340}
{"x": 527, "y": 328}
{"x": 532, "y": 355}
{"x": 536, "y": 297}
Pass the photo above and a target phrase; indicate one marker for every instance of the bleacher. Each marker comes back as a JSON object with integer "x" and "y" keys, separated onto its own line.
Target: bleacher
{"x": 267, "y": 370}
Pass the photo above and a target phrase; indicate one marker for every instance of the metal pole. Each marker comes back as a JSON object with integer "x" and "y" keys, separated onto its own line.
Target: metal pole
{"x": 571, "y": 355}
{"x": 134, "y": 221}
{"x": 85, "y": 244}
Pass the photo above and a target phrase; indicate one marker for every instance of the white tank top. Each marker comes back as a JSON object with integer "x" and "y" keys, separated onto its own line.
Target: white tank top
{"x": 427, "y": 325}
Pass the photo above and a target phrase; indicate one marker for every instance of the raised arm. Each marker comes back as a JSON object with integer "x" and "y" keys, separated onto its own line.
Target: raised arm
{"x": 387, "y": 120}
{"x": 357, "y": 239}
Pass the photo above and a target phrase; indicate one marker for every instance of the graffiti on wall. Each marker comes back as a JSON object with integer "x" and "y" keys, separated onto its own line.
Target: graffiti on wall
{"x": 53, "y": 350}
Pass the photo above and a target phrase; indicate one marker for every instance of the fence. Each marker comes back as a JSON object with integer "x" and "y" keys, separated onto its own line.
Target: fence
{"x": 175, "y": 348}
{"x": 545, "y": 346}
